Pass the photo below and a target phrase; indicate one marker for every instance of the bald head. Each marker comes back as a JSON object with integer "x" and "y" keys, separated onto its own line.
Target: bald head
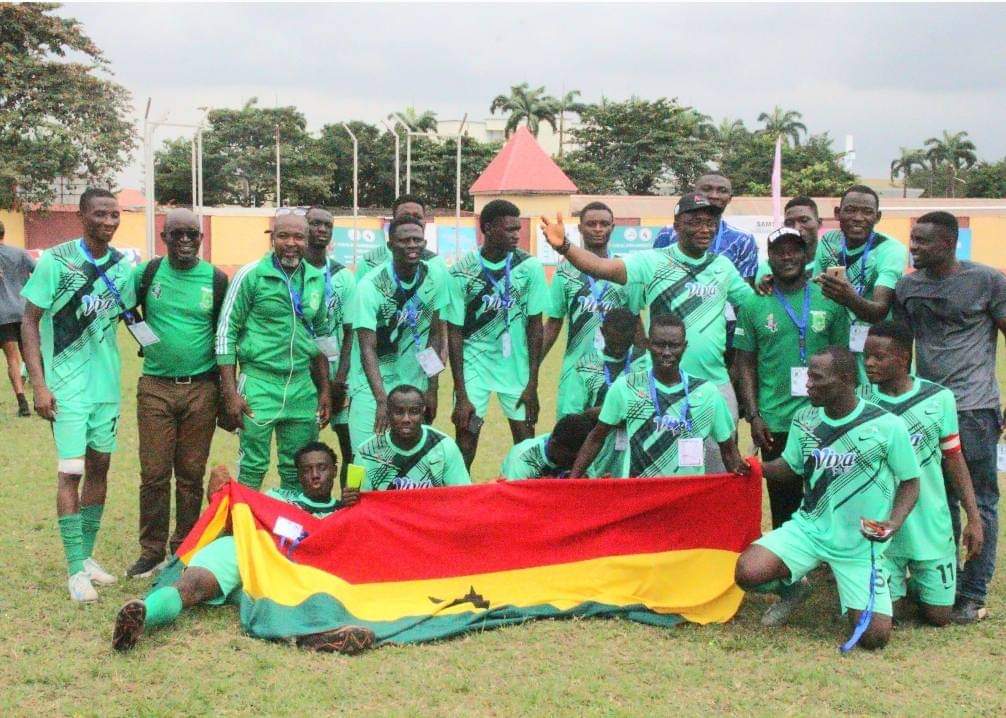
{"x": 289, "y": 239}
{"x": 182, "y": 236}
{"x": 180, "y": 217}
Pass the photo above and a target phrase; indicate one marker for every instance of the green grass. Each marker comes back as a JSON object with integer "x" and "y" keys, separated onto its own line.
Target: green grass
{"x": 55, "y": 657}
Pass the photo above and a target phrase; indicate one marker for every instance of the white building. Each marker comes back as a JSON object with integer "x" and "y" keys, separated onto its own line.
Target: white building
{"x": 492, "y": 129}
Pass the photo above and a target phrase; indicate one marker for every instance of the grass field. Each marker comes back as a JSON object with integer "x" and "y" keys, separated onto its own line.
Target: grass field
{"x": 55, "y": 657}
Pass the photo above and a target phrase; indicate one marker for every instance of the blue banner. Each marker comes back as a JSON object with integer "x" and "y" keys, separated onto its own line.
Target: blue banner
{"x": 626, "y": 240}
{"x": 366, "y": 240}
{"x": 449, "y": 246}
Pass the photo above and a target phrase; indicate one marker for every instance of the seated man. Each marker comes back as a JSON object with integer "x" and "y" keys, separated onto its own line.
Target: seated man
{"x": 549, "y": 455}
{"x": 212, "y": 576}
{"x": 593, "y": 375}
{"x": 861, "y": 480}
{"x": 667, "y": 414}
{"x": 410, "y": 454}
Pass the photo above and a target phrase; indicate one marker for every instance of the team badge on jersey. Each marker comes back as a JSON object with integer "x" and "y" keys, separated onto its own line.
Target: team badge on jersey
{"x": 818, "y": 321}
{"x": 206, "y": 298}
{"x": 771, "y": 324}
{"x": 155, "y": 290}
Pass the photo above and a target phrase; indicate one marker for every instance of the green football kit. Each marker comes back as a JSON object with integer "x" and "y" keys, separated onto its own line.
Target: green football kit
{"x": 340, "y": 285}
{"x": 879, "y": 262}
{"x": 665, "y": 425}
{"x": 783, "y": 330}
{"x": 591, "y": 378}
{"x": 434, "y": 461}
{"x": 529, "y": 460}
{"x": 851, "y": 469}
{"x": 401, "y": 314}
{"x": 491, "y": 302}
{"x": 924, "y": 545}
{"x": 268, "y": 325}
{"x": 582, "y": 302}
{"x": 667, "y": 281}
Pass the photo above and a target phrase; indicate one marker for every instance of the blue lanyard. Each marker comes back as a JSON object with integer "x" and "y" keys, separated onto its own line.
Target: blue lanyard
{"x": 864, "y": 257}
{"x": 715, "y": 247}
{"x": 108, "y": 282}
{"x": 867, "y": 615}
{"x": 607, "y": 372}
{"x": 596, "y": 294}
{"x": 505, "y": 297}
{"x": 295, "y": 296}
{"x": 328, "y": 284}
{"x": 660, "y": 418}
{"x": 411, "y": 307}
{"x": 801, "y": 323}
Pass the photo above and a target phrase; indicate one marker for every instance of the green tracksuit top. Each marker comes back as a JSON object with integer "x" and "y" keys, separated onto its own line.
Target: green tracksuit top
{"x": 262, "y": 307}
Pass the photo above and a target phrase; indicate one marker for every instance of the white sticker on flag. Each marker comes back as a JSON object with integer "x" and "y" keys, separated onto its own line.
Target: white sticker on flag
{"x": 285, "y": 528}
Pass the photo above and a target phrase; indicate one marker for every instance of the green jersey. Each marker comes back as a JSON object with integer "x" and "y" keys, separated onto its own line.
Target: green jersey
{"x": 400, "y": 314}
{"x": 179, "y": 310}
{"x": 340, "y": 285}
{"x": 80, "y": 354}
{"x": 529, "y": 460}
{"x": 591, "y": 378}
{"x": 688, "y": 412}
{"x": 434, "y": 461}
{"x": 269, "y": 319}
{"x": 668, "y": 281}
{"x": 492, "y": 302}
{"x": 930, "y": 415}
{"x": 582, "y": 302}
{"x": 851, "y": 468}
{"x": 884, "y": 266}
{"x": 767, "y": 330}
{"x": 381, "y": 255}
{"x": 318, "y": 509}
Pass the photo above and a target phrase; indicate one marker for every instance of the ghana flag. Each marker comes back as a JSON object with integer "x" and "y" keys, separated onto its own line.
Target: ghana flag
{"x": 426, "y": 564}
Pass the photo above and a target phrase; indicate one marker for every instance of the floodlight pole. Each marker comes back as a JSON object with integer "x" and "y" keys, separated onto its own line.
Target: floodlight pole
{"x": 279, "y": 201}
{"x": 398, "y": 184}
{"x": 356, "y": 185}
{"x": 457, "y": 192}
{"x": 148, "y": 172}
{"x": 409, "y": 134}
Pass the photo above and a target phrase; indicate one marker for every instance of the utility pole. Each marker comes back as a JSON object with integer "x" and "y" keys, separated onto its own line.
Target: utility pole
{"x": 356, "y": 185}
{"x": 279, "y": 201}
{"x": 457, "y": 192}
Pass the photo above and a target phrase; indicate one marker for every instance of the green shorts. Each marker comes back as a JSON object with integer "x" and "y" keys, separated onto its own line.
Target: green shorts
{"x": 802, "y": 554}
{"x": 932, "y": 582}
{"x": 479, "y": 393}
{"x": 82, "y": 426}
{"x": 220, "y": 558}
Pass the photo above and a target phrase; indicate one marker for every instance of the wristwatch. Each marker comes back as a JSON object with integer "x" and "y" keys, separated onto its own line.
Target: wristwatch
{"x": 564, "y": 247}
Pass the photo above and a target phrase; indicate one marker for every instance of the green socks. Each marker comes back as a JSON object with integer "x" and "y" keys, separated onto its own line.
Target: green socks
{"x": 778, "y": 587}
{"x": 73, "y": 542}
{"x": 90, "y": 520}
{"x": 163, "y": 607}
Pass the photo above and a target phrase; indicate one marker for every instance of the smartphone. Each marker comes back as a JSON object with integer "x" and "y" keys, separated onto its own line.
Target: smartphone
{"x": 874, "y": 529}
{"x": 837, "y": 271}
{"x": 475, "y": 423}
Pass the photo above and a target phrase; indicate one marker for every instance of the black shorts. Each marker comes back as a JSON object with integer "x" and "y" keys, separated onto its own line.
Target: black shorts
{"x": 10, "y": 333}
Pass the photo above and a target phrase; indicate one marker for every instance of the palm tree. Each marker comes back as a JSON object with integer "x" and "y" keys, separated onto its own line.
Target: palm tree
{"x": 909, "y": 160}
{"x": 568, "y": 103}
{"x": 954, "y": 150}
{"x": 727, "y": 133}
{"x": 526, "y": 105}
{"x": 783, "y": 122}
{"x": 425, "y": 121}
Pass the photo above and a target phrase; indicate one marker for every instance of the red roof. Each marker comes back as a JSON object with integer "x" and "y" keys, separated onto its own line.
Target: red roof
{"x": 522, "y": 166}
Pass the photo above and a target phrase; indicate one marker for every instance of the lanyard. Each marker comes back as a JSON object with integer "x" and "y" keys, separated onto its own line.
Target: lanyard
{"x": 130, "y": 317}
{"x": 328, "y": 284}
{"x": 295, "y": 296}
{"x": 661, "y": 419}
{"x": 715, "y": 247}
{"x": 410, "y": 307}
{"x": 801, "y": 323}
{"x": 607, "y": 372}
{"x": 597, "y": 290}
{"x": 496, "y": 286}
{"x": 867, "y": 615}
{"x": 864, "y": 257}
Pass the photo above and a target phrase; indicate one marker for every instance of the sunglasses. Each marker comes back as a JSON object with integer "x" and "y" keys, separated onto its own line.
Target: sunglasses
{"x": 177, "y": 234}
{"x": 299, "y": 211}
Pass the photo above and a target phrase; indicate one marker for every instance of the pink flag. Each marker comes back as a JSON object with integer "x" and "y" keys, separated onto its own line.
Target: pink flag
{"x": 777, "y": 184}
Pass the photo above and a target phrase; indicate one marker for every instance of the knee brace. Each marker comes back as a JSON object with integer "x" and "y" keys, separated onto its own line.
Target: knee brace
{"x": 71, "y": 467}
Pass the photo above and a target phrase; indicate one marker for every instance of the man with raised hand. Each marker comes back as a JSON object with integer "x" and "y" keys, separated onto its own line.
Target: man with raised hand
{"x": 924, "y": 547}
{"x": 15, "y": 266}
{"x": 212, "y": 577}
{"x": 410, "y": 454}
{"x": 337, "y": 341}
{"x": 272, "y": 315}
{"x": 595, "y": 373}
{"x": 178, "y": 394}
{"x": 955, "y": 310}
{"x": 549, "y": 456}
{"x": 861, "y": 480}
{"x": 498, "y": 296}
{"x": 395, "y": 314}
{"x": 582, "y": 299}
{"x": 800, "y": 214}
{"x": 686, "y": 280}
{"x": 74, "y": 299}
{"x": 776, "y": 335}
{"x": 667, "y": 414}
{"x": 858, "y": 267}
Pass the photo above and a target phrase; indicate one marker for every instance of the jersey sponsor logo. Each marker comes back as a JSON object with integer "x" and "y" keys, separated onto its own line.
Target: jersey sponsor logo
{"x": 494, "y": 302}
{"x": 670, "y": 424}
{"x": 702, "y": 291}
{"x": 96, "y": 305}
{"x": 156, "y": 288}
{"x": 404, "y": 482}
{"x": 818, "y": 321}
{"x": 589, "y": 304}
{"x": 206, "y": 298}
{"x": 771, "y": 324}
{"x": 828, "y": 458}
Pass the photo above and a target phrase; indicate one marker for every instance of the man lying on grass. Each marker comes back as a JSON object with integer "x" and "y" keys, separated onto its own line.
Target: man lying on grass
{"x": 212, "y": 575}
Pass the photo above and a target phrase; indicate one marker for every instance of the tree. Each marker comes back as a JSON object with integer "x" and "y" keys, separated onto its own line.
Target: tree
{"x": 376, "y": 158}
{"x": 425, "y": 121}
{"x": 57, "y": 117}
{"x": 728, "y": 133}
{"x": 904, "y": 165}
{"x": 987, "y": 180}
{"x": 434, "y": 173}
{"x": 952, "y": 152}
{"x": 567, "y": 103}
{"x": 639, "y": 144}
{"x": 783, "y": 122}
{"x": 812, "y": 168}
{"x": 523, "y": 104}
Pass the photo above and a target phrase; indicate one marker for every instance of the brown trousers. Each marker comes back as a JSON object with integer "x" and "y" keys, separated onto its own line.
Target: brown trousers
{"x": 175, "y": 424}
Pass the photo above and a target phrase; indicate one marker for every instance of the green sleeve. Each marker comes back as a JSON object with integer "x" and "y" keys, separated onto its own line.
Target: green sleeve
{"x": 441, "y": 280}
{"x": 792, "y": 454}
{"x": 838, "y": 332}
{"x": 366, "y": 304}
{"x": 614, "y": 408}
{"x": 368, "y": 466}
{"x": 723, "y": 422}
{"x": 363, "y": 267}
{"x": 574, "y": 396}
{"x": 455, "y": 313}
{"x": 820, "y": 257}
{"x": 745, "y": 336}
{"x": 739, "y": 292}
{"x": 513, "y": 466}
{"x": 40, "y": 288}
{"x": 137, "y": 275}
{"x": 345, "y": 285}
{"x": 557, "y": 296}
{"x": 237, "y": 305}
{"x": 537, "y": 295}
{"x": 949, "y": 425}
{"x": 900, "y": 454}
{"x": 641, "y": 266}
{"x": 320, "y": 321}
{"x": 455, "y": 473}
{"x": 127, "y": 289}
{"x": 891, "y": 263}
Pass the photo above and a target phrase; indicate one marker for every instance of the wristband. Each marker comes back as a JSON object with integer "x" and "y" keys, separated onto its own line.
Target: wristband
{"x": 564, "y": 247}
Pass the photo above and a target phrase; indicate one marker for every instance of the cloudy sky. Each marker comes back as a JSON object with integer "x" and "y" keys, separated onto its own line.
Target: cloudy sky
{"x": 889, "y": 75}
